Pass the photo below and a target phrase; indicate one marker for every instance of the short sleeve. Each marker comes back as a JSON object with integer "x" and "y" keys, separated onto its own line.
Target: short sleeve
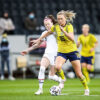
{"x": 70, "y": 28}
{"x": 42, "y": 34}
{"x": 52, "y": 28}
{"x": 94, "y": 38}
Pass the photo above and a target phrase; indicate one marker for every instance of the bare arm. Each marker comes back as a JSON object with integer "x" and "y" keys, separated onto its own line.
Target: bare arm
{"x": 35, "y": 46}
{"x": 96, "y": 44}
{"x": 70, "y": 36}
{"x": 78, "y": 44}
{"x": 42, "y": 36}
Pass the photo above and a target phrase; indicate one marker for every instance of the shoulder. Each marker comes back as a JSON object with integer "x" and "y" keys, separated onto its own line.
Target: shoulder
{"x": 56, "y": 25}
{"x": 44, "y": 32}
{"x": 69, "y": 24}
{"x": 91, "y": 35}
{"x": 80, "y": 36}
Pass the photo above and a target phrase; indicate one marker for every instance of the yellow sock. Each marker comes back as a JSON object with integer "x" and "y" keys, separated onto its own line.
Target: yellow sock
{"x": 86, "y": 74}
{"x": 92, "y": 69}
{"x": 83, "y": 81}
{"x": 61, "y": 74}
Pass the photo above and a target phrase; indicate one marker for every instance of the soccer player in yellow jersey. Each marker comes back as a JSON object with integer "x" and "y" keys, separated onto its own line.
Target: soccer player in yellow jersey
{"x": 67, "y": 48}
{"x": 89, "y": 43}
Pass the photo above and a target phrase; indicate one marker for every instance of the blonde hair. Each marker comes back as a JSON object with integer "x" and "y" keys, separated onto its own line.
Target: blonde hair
{"x": 69, "y": 15}
{"x": 86, "y": 25}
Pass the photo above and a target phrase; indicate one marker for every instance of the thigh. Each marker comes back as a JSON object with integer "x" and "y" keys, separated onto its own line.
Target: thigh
{"x": 90, "y": 62}
{"x": 77, "y": 67}
{"x": 52, "y": 71}
{"x": 89, "y": 67}
{"x": 59, "y": 62}
{"x": 84, "y": 65}
{"x": 45, "y": 62}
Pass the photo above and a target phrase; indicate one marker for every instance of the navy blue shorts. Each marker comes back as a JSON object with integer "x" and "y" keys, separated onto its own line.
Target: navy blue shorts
{"x": 87, "y": 60}
{"x": 71, "y": 56}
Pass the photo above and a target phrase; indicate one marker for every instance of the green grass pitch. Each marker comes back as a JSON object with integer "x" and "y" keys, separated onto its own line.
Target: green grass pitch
{"x": 24, "y": 90}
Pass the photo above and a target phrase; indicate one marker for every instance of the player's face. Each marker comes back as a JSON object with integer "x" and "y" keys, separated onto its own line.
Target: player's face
{"x": 85, "y": 30}
{"x": 48, "y": 24}
{"x": 61, "y": 20}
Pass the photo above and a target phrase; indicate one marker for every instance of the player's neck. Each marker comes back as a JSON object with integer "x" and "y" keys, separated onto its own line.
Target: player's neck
{"x": 63, "y": 25}
{"x": 85, "y": 34}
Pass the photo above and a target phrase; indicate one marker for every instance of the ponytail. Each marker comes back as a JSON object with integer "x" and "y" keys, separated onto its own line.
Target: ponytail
{"x": 69, "y": 15}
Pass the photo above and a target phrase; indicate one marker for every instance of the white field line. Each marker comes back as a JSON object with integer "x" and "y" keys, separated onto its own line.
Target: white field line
{"x": 76, "y": 95}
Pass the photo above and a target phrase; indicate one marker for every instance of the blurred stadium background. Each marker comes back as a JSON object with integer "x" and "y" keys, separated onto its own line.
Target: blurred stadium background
{"x": 87, "y": 12}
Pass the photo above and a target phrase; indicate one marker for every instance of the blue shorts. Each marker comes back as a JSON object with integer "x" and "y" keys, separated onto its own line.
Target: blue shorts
{"x": 87, "y": 60}
{"x": 71, "y": 56}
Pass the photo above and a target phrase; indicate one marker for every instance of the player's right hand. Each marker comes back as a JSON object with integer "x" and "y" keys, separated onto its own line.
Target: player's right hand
{"x": 24, "y": 52}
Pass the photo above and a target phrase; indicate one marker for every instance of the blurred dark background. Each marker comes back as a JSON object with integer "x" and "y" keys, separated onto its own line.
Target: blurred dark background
{"x": 87, "y": 12}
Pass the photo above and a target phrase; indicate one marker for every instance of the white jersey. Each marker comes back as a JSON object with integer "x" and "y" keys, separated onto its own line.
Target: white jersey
{"x": 51, "y": 48}
{"x": 51, "y": 44}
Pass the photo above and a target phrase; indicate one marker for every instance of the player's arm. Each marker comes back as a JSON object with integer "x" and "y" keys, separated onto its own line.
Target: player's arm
{"x": 42, "y": 37}
{"x": 70, "y": 36}
{"x": 95, "y": 45}
{"x": 33, "y": 47}
{"x": 78, "y": 42}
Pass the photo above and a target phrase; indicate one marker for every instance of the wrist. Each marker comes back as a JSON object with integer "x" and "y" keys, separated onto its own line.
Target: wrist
{"x": 27, "y": 50}
{"x": 65, "y": 32}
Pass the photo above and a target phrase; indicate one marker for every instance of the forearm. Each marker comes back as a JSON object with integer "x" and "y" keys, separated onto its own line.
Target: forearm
{"x": 78, "y": 44}
{"x": 96, "y": 44}
{"x": 70, "y": 36}
{"x": 33, "y": 47}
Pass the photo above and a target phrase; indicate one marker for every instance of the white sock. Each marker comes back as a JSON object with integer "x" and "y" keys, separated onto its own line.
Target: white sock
{"x": 55, "y": 78}
{"x": 41, "y": 84}
{"x": 41, "y": 76}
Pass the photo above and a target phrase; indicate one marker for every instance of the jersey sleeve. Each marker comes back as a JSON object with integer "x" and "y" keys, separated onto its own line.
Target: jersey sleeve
{"x": 42, "y": 34}
{"x": 94, "y": 38}
{"x": 70, "y": 28}
{"x": 52, "y": 28}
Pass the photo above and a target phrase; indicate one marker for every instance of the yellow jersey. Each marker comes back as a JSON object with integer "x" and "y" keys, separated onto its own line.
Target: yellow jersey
{"x": 65, "y": 45}
{"x": 87, "y": 42}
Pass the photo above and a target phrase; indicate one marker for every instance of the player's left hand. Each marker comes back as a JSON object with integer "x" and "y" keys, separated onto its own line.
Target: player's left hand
{"x": 92, "y": 49}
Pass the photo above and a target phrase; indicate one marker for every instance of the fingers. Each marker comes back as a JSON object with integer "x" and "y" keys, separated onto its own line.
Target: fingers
{"x": 33, "y": 43}
{"x": 33, "y": 40}
{"x": 23, "y": 53}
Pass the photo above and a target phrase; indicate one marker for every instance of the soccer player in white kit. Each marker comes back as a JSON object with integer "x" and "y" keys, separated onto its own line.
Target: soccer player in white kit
{"x": 48, "y": 57}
